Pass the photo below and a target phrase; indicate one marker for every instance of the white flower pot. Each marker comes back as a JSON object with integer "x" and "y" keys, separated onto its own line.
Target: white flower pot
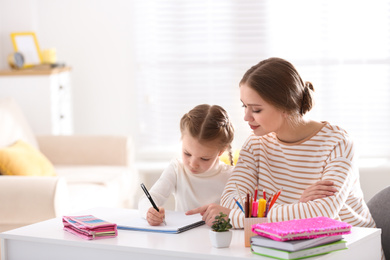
{"x": 221, "y": 239}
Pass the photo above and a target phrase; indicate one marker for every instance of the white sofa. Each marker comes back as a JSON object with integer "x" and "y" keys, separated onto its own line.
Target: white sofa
{"x": 91, "y": 171}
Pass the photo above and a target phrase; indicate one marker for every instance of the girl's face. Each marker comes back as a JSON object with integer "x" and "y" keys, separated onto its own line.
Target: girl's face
{"x": 263, "y": 118}
{"x": 197, "y": 157}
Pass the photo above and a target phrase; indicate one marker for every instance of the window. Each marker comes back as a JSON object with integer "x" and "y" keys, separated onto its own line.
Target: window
{"x": 193, "y": 52}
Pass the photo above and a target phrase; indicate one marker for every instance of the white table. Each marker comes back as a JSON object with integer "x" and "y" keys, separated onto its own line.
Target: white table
{"x": 47, "y": 240}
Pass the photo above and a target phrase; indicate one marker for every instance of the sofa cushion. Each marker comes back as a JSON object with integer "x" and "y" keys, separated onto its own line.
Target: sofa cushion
{"x": 14, "y": 125}
{"x": 21, "y": 158}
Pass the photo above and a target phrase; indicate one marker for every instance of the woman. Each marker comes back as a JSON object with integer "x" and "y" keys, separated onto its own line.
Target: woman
{"x": 313, "y": 162}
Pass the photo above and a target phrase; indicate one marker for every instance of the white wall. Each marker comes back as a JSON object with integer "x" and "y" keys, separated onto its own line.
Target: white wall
{"x": 374, "y": 176}
{"x": 95, "y": 38}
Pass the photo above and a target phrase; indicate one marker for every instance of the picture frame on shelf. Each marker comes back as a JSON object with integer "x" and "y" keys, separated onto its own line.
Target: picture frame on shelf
{"x": 26, "y": 43}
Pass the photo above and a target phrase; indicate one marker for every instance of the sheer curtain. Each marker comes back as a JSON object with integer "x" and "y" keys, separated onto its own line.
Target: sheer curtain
{"x": 193, "y": 52}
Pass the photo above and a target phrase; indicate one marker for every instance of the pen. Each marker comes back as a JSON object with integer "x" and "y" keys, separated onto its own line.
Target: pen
{"x": 264, "y": 195}
{"x": 261, "y": 208}
{"x": 239, "y": 205}
{"x": 255, "y": 206}
{"x": 150, "y": 199}
{"x": 238, "y": 194}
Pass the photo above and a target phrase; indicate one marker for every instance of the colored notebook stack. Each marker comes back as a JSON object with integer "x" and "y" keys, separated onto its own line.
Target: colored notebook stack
{"x": 300, "y": 238}
{"x": 89, "y": 227}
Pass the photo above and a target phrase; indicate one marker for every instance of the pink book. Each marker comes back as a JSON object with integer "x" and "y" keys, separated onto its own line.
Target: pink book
{"x": 89, "y": 227}
{"x": 302, "y": 228}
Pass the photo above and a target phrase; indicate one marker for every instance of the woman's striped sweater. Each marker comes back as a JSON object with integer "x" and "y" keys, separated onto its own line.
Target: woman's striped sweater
{"x": 266, "y": 162}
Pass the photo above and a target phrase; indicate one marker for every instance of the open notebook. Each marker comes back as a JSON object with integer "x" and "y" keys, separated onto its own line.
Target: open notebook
{"x": 177, "y": 222}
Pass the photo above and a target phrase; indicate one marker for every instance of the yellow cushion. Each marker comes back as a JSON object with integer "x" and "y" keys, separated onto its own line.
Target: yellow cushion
{"x": 23, "y": 159}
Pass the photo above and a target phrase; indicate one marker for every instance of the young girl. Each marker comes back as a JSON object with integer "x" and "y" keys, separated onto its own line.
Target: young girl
{"x": 199, "y": 177}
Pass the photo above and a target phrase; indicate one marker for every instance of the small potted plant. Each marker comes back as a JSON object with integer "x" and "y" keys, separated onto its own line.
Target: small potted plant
{"x": 220, "y": 233}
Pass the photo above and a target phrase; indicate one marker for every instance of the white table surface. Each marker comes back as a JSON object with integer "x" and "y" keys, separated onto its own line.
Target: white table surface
{"x": 48, "y": 240}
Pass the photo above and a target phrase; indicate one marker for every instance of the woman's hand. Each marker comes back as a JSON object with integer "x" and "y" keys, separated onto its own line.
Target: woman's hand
{"x": 154, "y": 217}
{"x": 209, "y": 212}
{"x": 318, "y": 190}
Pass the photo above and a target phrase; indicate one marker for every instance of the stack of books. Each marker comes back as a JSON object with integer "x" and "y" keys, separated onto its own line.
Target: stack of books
{"x": 301, "y": 238}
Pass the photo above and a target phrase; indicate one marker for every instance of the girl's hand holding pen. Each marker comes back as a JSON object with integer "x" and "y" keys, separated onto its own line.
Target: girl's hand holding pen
{"x": 154, "y": 217}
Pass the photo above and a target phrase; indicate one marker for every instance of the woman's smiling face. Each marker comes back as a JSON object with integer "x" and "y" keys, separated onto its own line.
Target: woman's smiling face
{"x": 263, "y": 118}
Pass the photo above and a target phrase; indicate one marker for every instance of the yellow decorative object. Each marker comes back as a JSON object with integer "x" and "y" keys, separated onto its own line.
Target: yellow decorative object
{"x": 225, "y": 157}
{"x": 23, "y": 159}
{"x": 49, "y": 56}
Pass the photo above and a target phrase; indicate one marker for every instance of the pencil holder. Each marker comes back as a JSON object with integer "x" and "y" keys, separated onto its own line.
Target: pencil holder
{"x": 248, "y": 222}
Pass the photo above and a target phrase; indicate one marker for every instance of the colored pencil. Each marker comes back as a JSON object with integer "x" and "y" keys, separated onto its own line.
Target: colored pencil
{"x": 275, "y": 198}
{"x": 239, "y": 195}
{"x": 255, "y": 197}
{"x": 239, "y": 205}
